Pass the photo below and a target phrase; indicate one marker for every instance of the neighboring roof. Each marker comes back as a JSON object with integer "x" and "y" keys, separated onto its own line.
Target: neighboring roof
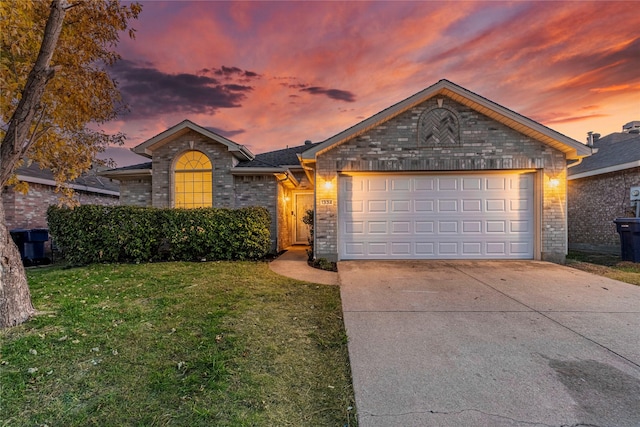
{"x": 615, "y": 152}
{"x": 572, "y": 148}
{"x": 129, "y": 171}
{"x": 278, "y": 158}
{"x": 146, "y": 148}
{"x": 88, "y": 182}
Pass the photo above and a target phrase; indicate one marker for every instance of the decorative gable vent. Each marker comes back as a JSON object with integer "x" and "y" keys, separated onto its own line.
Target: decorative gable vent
{"x": 438, "y": 127}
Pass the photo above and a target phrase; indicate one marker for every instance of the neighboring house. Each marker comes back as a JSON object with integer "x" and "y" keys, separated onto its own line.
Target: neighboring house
{"x": 30, "y": 210}
{"x": 443, "y": 174}
{"x": 599, "y": 190}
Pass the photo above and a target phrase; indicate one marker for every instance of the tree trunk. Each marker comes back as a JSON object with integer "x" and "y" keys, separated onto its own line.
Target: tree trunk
{"x": 15, "y": 298}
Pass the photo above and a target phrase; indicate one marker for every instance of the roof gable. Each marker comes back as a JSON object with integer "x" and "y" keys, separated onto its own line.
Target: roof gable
{"x": 241, "y": 152}
{"x": 572, "y": 148}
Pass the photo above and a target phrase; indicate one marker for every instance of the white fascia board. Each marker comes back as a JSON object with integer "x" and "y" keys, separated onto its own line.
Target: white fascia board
{"x": 601, "y": 171}
{"x": 78, "y": 187}
{"x": 130, "y": 173}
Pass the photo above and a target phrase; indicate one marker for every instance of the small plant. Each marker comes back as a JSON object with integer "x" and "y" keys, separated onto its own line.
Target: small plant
{"x": 308, "y": 220}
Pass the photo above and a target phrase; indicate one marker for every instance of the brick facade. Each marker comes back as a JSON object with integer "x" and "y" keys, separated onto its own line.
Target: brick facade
{"x": 165, "y": 156}
{"x": 262, "y": 190}
{"x": 593, "y": 203}
{"x": 229, "y": 191}
{"x": 30, "y": 210}
{"x": 484, "y": 144}
{"x": 136, "y": 191}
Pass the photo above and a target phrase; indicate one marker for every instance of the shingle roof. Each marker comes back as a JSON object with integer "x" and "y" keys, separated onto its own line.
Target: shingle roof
{"x": 87, "y": 182}
{"x": 285, "y": 157}
{"x": 617, "y": 150}
{"x": 145, "y": 165}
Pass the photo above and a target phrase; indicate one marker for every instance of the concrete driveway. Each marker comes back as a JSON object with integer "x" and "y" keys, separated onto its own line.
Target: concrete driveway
{"x": 490, "y": 343}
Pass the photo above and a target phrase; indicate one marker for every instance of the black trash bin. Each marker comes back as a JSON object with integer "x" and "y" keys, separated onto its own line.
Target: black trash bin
{"x": 20, "y": 237}
{"x": 34, "y": 248}
{"x": 31, "y": 245}
{"x": 629, "y": 231}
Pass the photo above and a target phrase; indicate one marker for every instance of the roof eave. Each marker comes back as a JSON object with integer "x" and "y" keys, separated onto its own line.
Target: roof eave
{"x": 601, "y": 171}
{"x": 78, "y": 187}
{"x": 129, "y": 173}
{"x": 256, "y": 170}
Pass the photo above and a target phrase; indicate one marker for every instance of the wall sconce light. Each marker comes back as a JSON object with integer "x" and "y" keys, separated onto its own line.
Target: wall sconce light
{"x": 328, "y": 185}
{"x": 287, "y": 198}
{"x": 554, "y": 182}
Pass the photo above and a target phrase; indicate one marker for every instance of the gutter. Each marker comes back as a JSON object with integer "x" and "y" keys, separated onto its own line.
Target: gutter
{"x": 78, "y": 187}
{"x": 601, "y": 171}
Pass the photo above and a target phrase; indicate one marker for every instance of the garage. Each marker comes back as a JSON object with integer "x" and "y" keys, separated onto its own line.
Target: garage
{"x": 486, "y": 215}
{"x": 443, "y": 174}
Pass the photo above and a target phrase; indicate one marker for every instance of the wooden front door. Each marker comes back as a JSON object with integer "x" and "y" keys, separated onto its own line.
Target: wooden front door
{"x": 303, "y": 202}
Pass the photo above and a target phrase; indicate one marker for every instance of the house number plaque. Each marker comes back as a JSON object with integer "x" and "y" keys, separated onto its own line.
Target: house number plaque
{"x": 326, "y": 202}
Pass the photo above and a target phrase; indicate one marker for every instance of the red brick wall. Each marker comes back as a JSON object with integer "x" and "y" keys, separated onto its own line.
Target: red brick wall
{"x": 593, "y": 203}
{"x": 30, "y": 210}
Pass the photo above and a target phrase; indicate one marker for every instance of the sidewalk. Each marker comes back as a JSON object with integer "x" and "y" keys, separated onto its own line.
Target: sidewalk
{"x": 293, "y": 263}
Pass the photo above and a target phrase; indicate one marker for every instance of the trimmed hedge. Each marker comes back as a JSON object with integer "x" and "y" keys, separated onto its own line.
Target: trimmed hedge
{"x": 91, "y": 233}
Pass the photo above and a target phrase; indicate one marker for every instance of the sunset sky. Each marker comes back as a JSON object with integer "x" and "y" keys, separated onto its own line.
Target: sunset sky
{"x": 274, "y": 74}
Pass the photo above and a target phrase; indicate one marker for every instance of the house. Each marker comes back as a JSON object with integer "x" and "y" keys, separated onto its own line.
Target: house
{"x": 599, "y": 190}
{"x": 29, "y": 210}
{"x": 443, "y": 174}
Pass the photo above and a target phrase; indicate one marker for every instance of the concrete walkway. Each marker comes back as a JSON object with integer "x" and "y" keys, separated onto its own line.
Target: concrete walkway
{"x": 293, "y": 263}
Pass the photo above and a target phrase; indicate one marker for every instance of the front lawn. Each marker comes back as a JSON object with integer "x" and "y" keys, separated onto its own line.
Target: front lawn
{"x": 606, "y": 265}
{"x": 183, "y": 344}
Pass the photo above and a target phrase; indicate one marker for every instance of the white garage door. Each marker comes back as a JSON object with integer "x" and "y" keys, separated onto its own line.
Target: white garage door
{"x": 446, "y": 216}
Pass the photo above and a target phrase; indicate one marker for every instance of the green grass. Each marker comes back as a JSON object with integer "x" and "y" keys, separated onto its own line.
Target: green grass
{"x": 606, "y": 265}
{"x": 181, "y": 344}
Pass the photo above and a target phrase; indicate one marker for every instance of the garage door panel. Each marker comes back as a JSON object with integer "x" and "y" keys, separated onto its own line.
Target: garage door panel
{"x": 472, "y": 216}
{"x": 377, "y": 206}
{"x": 353, "y": 206}
{"x": 424, "y": 206}
{"x": 495, "y": 205}
{"x": 401, "y": 184}
{"x": 471, "y": 205}
{"x": 448, "y": 183}
{"x": 471, "y": 184}
{"x": 447, "y": 206}
{"x": 400, "y": 206}
{"x": 495, "y": 183}
{"x": 422, "y": 227}
{"x": 473, "y": 226}
{"x": 401, "y": 227}
{"x": 424, "y": 184}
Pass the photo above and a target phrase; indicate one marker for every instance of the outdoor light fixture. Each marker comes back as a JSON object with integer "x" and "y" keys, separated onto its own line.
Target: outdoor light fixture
{"x": 328, "y": 185}
{"x": 554, "y": 182}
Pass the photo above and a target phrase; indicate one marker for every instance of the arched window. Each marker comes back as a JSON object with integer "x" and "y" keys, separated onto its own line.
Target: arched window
{"x": 193, "y": 188}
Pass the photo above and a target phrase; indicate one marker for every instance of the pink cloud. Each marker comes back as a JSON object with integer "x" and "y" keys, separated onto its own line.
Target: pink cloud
{"x": 325, "y": 66}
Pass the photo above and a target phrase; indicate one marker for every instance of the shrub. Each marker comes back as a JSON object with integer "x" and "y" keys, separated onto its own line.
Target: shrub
{"x": 89, "y": 233}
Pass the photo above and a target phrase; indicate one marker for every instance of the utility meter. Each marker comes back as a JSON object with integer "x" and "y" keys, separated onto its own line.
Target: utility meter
{"x": 635, "y": 199}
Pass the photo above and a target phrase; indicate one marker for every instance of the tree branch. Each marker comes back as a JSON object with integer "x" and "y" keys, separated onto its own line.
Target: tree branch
{"x": 22, "y": 118}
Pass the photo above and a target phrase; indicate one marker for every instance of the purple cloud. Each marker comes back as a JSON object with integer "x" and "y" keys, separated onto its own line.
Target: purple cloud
{"x": 149, "y": 92}
{"x": 337, "y": 94}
